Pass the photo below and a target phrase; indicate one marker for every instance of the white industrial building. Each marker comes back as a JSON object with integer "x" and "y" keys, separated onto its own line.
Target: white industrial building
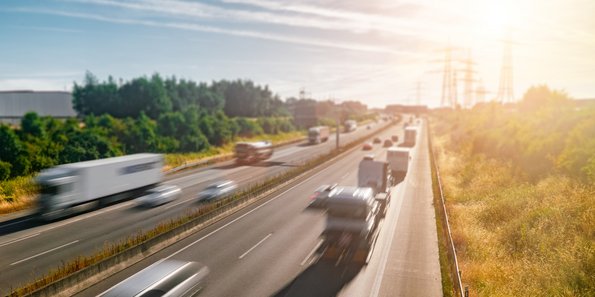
{"x": 15, "y": 104}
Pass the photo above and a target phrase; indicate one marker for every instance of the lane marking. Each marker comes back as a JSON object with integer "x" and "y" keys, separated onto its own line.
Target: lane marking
{"x": 19, "y": 239}
{"x": 320, "y": 241}
{"x": 43, "y": 253}
{"x": 255, "y": 246}
{"x": 249, "y": 212}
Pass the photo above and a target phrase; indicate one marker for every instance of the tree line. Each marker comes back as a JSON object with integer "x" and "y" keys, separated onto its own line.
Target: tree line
{"x": 141, "y": 115}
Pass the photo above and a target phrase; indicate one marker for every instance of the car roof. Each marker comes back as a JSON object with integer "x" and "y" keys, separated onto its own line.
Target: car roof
{"x": 146, "y": 278}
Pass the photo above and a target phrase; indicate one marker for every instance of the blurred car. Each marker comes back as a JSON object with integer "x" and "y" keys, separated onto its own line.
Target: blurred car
{"x": 377, "y": 140}
{"x": 318, "y": 199}
{"x": 387, "y": 143}
{"x": 394, "y": 138}
{"x": 160, "y": 195}
{"x": 217, "y": 190}
{"x": 368, "y": 127}
{"x": 164, "y": 278}
{"x": 367, "y": 146}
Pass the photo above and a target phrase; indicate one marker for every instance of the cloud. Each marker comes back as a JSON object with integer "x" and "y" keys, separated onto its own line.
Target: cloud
{"x": 219, "y": 30}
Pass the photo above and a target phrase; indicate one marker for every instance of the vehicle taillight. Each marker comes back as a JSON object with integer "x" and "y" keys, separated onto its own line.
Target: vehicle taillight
{"x": 313, "y": 196}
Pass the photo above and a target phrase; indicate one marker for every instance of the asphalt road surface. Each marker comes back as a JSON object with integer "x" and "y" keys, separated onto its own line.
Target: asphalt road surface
{"x": 269, "y": 248}
{"x": 30, "y": 249}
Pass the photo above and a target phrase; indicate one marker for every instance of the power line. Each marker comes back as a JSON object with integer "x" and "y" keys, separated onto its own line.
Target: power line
{"x": 505, "y": 90}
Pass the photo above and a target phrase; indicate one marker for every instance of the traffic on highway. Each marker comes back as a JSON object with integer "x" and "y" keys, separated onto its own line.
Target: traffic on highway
{"x": 58, "y": 237}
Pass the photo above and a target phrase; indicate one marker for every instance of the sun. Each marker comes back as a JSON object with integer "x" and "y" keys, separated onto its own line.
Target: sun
{"x": 497, "y": 17}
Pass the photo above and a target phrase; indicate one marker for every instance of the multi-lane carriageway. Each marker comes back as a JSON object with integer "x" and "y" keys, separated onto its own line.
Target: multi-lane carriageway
{"x": 266, "y": 249}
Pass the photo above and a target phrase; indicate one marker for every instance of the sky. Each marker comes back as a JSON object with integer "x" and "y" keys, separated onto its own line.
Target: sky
{"x": 375, "y": 51}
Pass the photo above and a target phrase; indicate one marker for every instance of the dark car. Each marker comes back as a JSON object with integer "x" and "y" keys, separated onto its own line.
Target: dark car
{"x": 377, "y": 140}
{"x": 367, "y": 146}
{"x": 395, "y": 138}
{"x": 388, "y": 143}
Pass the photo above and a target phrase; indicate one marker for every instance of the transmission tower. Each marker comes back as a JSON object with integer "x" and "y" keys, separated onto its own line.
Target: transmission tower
{"x": 505, "y": 90}
{"x": 468, "y": 99}
{"x": 480, "y": 93}
{"x": 453, "y": 91}
{"x": 447, "y": 80}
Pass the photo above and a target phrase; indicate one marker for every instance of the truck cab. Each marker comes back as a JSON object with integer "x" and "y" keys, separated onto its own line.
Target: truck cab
{"x": 57, "y": 191}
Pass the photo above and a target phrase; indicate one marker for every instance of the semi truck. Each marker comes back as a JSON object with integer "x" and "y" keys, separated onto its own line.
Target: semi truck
{"x": 318, "y": 134}
{"x": 104, "y": 180}
{"x": 354, "y": 214}
{"x": 410, "y": 136}
{"x": 398, "y": 163}
{"x": 351, "y": 229}
{"x": 250, "y": 152}
{"x": 350, "y": 125}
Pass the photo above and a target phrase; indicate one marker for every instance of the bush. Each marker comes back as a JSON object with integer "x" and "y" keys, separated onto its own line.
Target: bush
{"x": 4, "y": 170}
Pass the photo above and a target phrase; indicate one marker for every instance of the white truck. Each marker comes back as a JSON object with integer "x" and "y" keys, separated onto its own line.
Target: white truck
{"x": 410, "y": 136}
{"x": 352, "y": 222}
{"x": 350, "y": 125}
{"x": 250, "y": 152}
{"x": 398, "y": 163}
{"x": 318, "y": 134}
{"x": 103, "y": 180}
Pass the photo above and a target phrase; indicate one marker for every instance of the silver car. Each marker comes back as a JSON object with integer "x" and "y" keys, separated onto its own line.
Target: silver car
{"x": 217, "y": 190}
{"x": 160, "y": 195}
{"x": 164, "y": 278}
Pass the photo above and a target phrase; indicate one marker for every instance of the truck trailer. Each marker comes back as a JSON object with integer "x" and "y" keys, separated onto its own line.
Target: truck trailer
{"x": 410, "y": 136}
{"x": 103, "y": 180}
{"x": 398, "y": 162}
{"x": 318, "y": 134}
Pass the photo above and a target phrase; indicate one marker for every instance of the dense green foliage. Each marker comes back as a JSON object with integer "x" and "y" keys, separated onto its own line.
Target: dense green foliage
{"x": 520, "y": 190}
{"x": 544, "y": 134}
{"x": 155, "y": 96}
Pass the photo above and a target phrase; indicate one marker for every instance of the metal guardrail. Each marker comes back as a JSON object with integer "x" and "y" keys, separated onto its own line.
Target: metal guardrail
{"x": 455, "y": 271}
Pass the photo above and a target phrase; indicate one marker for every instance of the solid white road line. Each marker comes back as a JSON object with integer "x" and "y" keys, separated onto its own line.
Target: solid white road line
{"x": 43, "y": 253}
{"x": 18, "y": 239}
{"x": 255, "y": 246}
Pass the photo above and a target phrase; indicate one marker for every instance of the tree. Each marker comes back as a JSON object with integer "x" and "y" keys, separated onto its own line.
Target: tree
{"x": 4, "y": 170}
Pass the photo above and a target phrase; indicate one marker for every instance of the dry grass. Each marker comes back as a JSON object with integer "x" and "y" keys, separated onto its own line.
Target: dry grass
{"x": 17, "y": 194}
{"x": 516, "y": 238}
{"x": 177, "y": 159}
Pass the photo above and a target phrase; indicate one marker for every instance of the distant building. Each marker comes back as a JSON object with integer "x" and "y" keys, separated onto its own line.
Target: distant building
{"x": 398, "y": 108}
{"x": 15, "y": 104}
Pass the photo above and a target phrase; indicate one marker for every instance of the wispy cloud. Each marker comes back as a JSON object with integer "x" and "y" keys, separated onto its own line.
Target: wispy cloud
{"x": 50, "y": 29}
{"x": 219, "y": 30}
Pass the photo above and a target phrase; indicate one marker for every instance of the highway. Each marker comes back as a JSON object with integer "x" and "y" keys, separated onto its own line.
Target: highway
{"x": 269, "y": 248}
{"x": 29, "y": 248}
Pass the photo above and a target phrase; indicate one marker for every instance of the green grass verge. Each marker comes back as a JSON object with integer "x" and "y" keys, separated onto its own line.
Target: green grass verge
{"x": 177, "y": 159}
{"x": 17, "y": 194}
{"x": 447, "y": 281}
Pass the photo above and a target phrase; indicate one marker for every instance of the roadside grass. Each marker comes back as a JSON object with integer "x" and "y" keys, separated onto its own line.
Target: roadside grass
{"x": 447, "y": 281}
{"x": 178, "y": 159}
{"x": 516, "y": 238}
{"x": 20, "y": 193}
{"x": 17, "y": 194}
